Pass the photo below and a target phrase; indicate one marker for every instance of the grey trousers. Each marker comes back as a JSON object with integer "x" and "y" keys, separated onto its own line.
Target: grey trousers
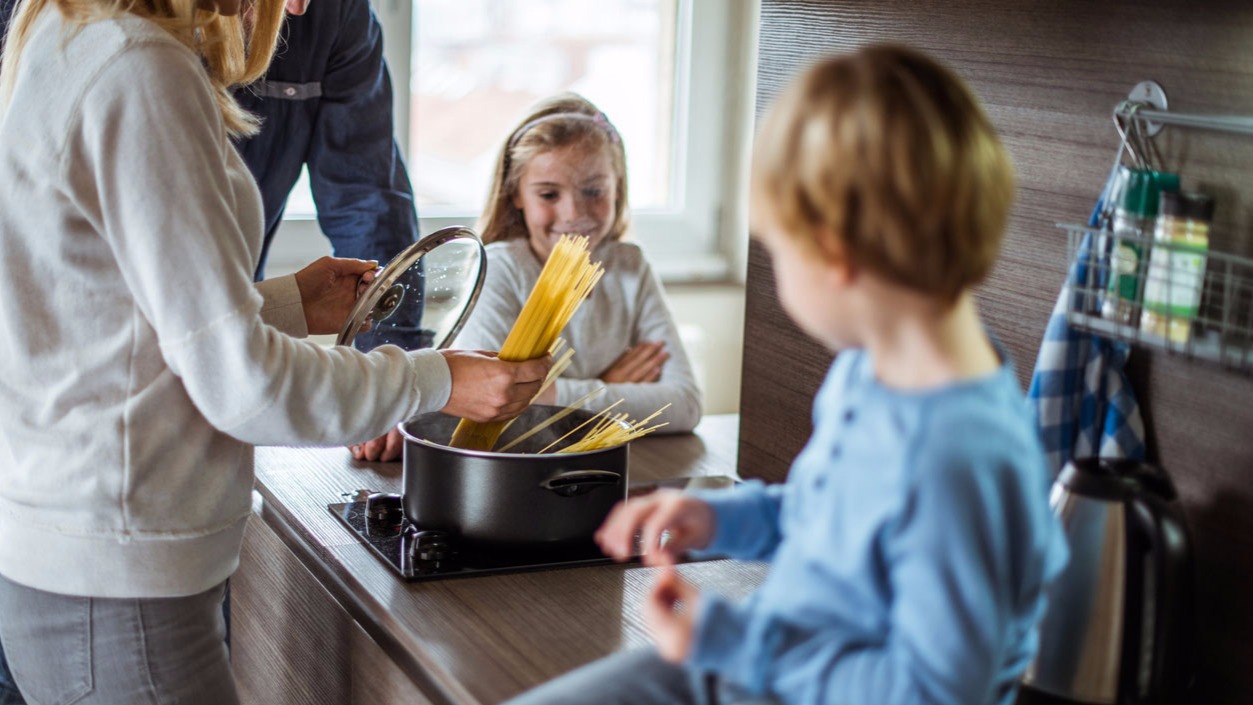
{"x": 9, "y": 694}
{"x": 639, "y": 677}
{"x": 98, "y": 651}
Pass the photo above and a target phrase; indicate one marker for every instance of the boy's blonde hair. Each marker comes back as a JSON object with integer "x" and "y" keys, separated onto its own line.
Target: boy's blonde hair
{"x": 563, "y": 120}
{"x": 232, "y": 56}
{"x": 888, "y": 153}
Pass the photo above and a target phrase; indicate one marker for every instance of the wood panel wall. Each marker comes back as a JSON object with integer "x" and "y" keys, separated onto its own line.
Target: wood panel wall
{"x": 1049, "y": 75}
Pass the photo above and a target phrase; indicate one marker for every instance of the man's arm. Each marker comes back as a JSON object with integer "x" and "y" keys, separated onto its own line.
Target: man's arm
{"x": 362, "y": 191}
{"x": 7, "y": 8}
{"x": 360, "y": 187}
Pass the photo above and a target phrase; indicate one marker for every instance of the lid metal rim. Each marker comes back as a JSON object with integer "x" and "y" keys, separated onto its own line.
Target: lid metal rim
{"x": 401, "y": 264}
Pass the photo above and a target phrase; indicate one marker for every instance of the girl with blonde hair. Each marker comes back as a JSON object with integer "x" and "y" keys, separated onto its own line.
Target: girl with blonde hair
{"x": 563, "y": 170}
{"x": 140, "y": 363}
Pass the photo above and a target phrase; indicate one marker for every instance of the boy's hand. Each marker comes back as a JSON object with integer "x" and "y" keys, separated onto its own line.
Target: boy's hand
{"x": 688, "y": 523}
{"x": 641, "y": 363}
{"x": 328, "y": 291}
{"x": 670, "y": 612}
{"x": 485, "y": 388}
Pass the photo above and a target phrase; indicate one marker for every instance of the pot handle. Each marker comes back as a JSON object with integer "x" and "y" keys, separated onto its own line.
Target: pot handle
{"x": 572, "y": 483}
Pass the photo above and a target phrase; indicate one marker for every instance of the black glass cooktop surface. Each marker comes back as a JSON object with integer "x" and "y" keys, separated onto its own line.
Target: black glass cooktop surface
{"x": 415, "y": 554}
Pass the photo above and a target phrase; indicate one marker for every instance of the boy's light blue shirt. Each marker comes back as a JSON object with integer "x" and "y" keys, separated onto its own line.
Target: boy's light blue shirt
{"x": 910, "y": 548}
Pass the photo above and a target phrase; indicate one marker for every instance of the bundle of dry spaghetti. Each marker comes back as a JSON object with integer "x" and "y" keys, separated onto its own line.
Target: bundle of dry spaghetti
{"x": 609, "y": 431}
{"x": 566, "y": 280}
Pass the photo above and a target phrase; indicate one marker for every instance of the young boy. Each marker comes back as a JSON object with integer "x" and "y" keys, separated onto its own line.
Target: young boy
{"x": 913, "y": 540}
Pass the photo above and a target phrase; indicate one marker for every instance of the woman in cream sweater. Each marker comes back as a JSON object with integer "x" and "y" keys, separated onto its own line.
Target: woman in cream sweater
{"x": 137, "y": 370}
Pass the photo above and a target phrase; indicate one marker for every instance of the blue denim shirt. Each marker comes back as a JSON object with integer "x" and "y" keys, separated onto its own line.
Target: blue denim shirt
{"x": 326, "y": 102}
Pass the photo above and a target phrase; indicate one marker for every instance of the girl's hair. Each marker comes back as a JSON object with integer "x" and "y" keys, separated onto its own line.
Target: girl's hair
{"x": 563, "y": 120}
{"x": 231, "y": 55}
{"x": 887, "y": 153}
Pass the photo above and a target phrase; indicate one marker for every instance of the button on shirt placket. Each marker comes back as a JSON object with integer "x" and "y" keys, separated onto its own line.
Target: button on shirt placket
{"x": 837, "y": 449}
{"x": 847, "y": 422}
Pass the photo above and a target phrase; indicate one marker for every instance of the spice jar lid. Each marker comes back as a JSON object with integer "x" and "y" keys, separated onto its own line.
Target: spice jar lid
{"x": 1189, "y": 205}
{"x": 1142, "y": 188}
{"x": 1138, "y": 192}
{"x": 423, "y": 296}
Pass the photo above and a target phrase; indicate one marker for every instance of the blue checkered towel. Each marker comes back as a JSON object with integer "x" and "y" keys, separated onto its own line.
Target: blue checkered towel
{"x": 1082, "y": 400}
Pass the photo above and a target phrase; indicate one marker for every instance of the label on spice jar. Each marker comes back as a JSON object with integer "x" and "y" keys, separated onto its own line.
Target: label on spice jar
{"x": 1125, "y": 266}
{"x": 1175, "y": 277}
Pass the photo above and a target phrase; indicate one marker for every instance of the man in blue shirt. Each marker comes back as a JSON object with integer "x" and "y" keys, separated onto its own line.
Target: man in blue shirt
{"x": 325, "y": 103}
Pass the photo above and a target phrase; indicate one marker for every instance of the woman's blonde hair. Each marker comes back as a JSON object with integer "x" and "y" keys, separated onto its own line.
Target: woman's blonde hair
{"x": 563, "y": 120}
{"x": 888, "y": 153}
{"x": 231, "y": 55}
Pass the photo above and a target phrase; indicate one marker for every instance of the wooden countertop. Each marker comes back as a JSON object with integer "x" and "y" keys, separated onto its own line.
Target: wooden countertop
{"x": 483, "y": 639}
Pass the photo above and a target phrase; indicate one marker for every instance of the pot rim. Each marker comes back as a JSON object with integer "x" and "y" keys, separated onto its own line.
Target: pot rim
{"x": 527, "y": 457}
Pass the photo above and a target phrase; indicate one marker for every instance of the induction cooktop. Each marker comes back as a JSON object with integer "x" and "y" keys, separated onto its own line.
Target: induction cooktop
{"x": 413, "y": 553}
{"x": 417, "y": 554}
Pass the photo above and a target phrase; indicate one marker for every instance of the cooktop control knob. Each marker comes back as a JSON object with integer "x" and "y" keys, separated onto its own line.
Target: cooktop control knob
{"x": 433, "y": 552}
{"x": 430, "y": 545}
{"x": 384, "y": 512}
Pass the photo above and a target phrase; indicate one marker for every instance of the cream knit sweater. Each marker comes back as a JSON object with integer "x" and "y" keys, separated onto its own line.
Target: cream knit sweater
{"x": 136, "y": 372}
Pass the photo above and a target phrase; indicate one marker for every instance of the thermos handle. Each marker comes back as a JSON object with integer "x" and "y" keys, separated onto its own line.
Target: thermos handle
{"x": 1162, "y": 530}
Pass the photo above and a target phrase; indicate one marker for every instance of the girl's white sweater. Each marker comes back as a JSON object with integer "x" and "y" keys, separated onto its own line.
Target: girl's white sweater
{"x": 627, "y": 307}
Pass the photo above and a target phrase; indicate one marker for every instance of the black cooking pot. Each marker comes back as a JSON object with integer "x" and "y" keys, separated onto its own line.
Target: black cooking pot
{"x": 521, "y": 497}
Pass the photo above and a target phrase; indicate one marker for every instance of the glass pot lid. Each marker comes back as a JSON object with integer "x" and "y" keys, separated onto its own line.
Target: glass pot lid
{"x": 423, "y": 296}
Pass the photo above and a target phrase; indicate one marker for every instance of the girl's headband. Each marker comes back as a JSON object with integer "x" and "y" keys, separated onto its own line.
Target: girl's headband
{"x": 598, "y": 119}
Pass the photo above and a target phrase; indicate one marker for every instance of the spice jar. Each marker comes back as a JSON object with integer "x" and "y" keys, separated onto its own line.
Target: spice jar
{"x": 1176, "y": 273}
{"x": 1132, "y": 231}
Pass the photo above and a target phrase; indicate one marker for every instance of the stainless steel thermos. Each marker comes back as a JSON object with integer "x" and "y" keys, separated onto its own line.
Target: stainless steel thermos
{"x": 1118, "y": 626}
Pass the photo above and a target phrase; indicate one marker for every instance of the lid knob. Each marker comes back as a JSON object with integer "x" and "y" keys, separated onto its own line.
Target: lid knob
{"x": 388, "y": 303}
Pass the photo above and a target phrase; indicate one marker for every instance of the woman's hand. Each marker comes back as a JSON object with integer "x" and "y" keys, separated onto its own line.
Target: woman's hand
{"x": 486, "y": 388}
{"x": 329, "y": 289}
{"x": 670, "y": 612}
{"x": 688, "y": 523}
{"x": 383, "y": 449}
{"x": 548, "y": 396}
{"x": 641, "y": 363}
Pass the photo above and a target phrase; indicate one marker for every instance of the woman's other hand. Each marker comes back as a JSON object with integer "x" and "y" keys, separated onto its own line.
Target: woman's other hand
{"x": 486, "y": 388}
{"x": 670, "y": 612}
{"x": 329, "y": 289}
{"x": 686, "y": 522}
{"x": 641, "y": 363}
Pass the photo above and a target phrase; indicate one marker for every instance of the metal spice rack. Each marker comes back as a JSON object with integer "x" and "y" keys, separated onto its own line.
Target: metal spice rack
{"x": 1222, "y": 329}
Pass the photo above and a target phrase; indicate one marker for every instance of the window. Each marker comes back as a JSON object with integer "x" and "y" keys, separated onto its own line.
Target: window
{"x": 674, "y": 76}
{"x": 479, "y": 65}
